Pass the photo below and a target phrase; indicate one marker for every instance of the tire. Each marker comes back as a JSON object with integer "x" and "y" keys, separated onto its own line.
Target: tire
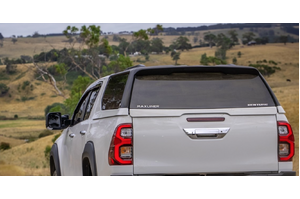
{"x": 54, "y": 173}
{"x": 86, "y": 168}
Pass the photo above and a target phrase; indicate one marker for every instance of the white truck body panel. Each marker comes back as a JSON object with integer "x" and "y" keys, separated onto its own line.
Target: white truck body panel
{"x": 162, "y": 146}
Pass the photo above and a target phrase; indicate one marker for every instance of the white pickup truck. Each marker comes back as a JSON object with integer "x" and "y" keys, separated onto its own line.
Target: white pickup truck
{"x": 175, "y": 120}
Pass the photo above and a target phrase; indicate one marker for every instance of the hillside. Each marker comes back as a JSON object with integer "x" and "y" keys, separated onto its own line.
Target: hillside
{"x": 28, "y": 158}
{"x": 28, "y": 101}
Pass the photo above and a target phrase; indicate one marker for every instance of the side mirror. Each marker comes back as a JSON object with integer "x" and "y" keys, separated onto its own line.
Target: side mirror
{"x": 56, "y": 121}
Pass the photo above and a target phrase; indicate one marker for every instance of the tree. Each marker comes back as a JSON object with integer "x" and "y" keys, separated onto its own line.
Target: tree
{"x": 210, "y": 38}
{"x": 90, "y": 37}
{"x": 117, "y": 65}
{"x": 157, "y": 29}
{"x": 3, "y": 89}
{"x": 157, "y": 45}
{"x": 61, "y": 68}
{"x": 143, "y": 35}
{"x": 78, "y": 87}
{"x": 195, "y": 39}
{"x": 115, "y": 38}
{"x": 175, "y": 56}
{"x": 233, "y": 35}
{"x": 35, "y": 34}
{"x": 283, "y": 39}
{"x": 14, "y": 39}
{"x": 220, "y": 53}
{"x": 10, "y": 66}
{"x": 248, "y": 36}
{"x": 182, "y": 44}
{"x": 223, "y": 42}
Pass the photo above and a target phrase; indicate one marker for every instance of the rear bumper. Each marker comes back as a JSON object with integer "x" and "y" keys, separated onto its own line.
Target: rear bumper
{"x": 282, "y": 173}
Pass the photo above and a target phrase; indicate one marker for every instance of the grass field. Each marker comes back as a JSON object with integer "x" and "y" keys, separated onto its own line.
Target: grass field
{"x": 28, "y": 158}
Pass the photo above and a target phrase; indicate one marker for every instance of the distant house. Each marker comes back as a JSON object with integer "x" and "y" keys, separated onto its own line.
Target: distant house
{"x": 250, "y": 43}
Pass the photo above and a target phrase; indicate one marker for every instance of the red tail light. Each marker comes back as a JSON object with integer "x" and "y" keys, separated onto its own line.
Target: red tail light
{"x": 120, "y": 150}
{"x": 286, "y": 148}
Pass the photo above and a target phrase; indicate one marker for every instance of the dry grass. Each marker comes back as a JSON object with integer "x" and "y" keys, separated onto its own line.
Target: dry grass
{"x": 43, "y": 94}
{"x": 29, "y": 156}
{"x": 21, "y": 128}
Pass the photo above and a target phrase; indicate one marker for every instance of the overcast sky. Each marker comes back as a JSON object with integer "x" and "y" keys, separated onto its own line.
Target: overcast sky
{"x": 9, "y": 29}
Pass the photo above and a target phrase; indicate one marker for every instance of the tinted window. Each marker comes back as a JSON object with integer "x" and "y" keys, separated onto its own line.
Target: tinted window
{"x": 199, "y": 90}
{"x": 90, "y": 105}
{"x": 78, "y": 114}
{"x": 114, "y": 92}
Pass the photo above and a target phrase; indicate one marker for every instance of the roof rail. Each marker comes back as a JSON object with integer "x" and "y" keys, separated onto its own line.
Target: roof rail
{"x": 136, "y": 66}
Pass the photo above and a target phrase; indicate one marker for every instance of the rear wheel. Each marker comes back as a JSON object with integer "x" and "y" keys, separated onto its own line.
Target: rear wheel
{"x": 54, "y": 173}
{"x": 86, "y": 168}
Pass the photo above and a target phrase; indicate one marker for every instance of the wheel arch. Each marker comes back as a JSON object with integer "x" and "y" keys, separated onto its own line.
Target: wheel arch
{"x": 54, "y": 160}
{"x": 89, "y": 154}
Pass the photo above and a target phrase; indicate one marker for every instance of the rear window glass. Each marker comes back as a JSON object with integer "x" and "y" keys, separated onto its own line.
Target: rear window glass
{"x": 199, "y": 90}
{"x": 114, "y": 92}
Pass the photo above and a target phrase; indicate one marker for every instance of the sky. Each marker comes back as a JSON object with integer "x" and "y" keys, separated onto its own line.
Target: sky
{"x": 24, "y": 29}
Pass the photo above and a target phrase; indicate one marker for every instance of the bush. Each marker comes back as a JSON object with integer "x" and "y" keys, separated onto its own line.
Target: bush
{"x": 25, "y": 84}
{"x": 56, "y": 107}
{"x": 16, "y": 116}
{"x": 234, "y": 61}
{"x": 265, "y": 69}
{"x": 239, "y": 54}
{"x": 47, "y": 152}
{"x": 220, "y": 54}
{"x": 4, "y": 146}
{"x": 45, "y": 133}
{"x": 3, "y": 89}
{"x": 55, "y": 138}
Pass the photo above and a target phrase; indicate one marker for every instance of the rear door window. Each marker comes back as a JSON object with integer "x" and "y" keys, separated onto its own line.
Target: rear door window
{"x": 199, "y": 90}
{"x": 114, "y": 92}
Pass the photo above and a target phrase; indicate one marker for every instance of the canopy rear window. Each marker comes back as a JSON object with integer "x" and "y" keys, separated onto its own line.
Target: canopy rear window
{"x": 199, "y": 90}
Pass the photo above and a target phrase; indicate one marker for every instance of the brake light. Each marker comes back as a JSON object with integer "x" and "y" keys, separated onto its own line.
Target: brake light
{"x": 286, "y": 148}
{"x": 120, "y": 150}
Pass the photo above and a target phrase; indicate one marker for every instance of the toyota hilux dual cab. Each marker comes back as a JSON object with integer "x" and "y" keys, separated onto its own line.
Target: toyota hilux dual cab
{"x": 175, "y": 120}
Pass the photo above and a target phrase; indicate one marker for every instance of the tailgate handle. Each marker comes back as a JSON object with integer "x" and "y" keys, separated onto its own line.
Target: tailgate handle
{"x": 206, "y": 133}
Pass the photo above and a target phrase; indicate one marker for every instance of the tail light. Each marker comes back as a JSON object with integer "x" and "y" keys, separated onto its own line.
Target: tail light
{"x": 286, "y": 148}
{"x": 120, "y": 150}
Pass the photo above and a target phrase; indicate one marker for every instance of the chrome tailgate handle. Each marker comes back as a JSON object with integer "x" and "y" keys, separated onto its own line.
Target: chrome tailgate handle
{"x": 206, "y": 133}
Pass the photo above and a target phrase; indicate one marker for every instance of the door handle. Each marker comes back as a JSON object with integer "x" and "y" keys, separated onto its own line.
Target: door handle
{"x": 82, "y": 132}
{"x": 71, "y": 135}
{"x": 204, "y": 133}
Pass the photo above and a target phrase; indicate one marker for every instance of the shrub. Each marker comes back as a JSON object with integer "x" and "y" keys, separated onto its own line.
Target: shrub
{"x": 47, "y": 152}
{"x": 239, "y": 54}
{"x": 4, "y": 146}
{"x": 25, "y": 84}
{"x": 3, "y": 89}
{"x": 45, "y": 133}
{"x": 55, "y": 138}
{"x": 234, "y": 61}
{"x": 221, "y": 54}
{"x": 16, "y": 116}
{"x": 265, "y": 69}
{"x": 203, "y": 59}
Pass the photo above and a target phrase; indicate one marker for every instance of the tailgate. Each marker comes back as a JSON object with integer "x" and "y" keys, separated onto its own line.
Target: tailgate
{"x": 203, "y": 120}
{"x": 165, "y": 142}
